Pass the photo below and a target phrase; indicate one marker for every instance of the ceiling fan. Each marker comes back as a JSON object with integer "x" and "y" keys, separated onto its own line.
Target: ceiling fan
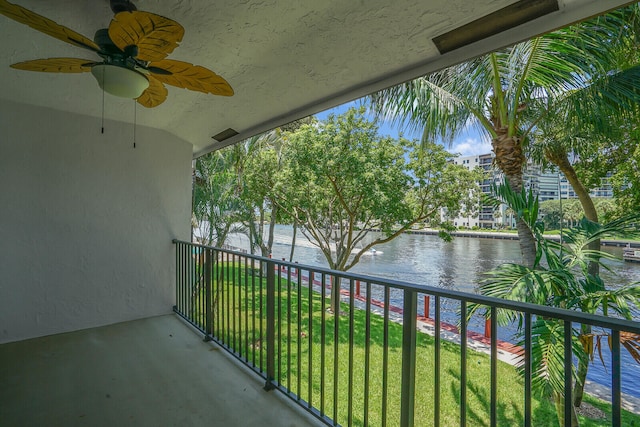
{"x": 133, "y": 51}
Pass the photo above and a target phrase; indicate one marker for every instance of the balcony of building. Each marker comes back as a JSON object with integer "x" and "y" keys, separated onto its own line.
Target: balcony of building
{"x": 397, "y": 353}
{"x": 253, "y": 342}
{"x": 93, "y": 189}
{"x": 148, "y": 372}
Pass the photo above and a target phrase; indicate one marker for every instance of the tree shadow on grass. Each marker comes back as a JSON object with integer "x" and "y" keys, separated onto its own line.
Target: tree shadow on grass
{"x": 482, "y": 395}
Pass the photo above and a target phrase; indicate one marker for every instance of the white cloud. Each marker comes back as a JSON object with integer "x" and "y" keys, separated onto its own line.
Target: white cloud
{"x": 471, "y": 147}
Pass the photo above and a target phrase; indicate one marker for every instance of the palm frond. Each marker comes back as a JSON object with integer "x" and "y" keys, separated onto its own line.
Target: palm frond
{"x": 628, "y": 340}
{"x": 631, "y": 342}
{"x": 578, "y": 239}
{"x": 547, "y": 355}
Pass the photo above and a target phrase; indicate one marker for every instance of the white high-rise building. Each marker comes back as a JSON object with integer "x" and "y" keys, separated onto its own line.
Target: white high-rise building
{"x": 546, "y": 184}
{"x": 487, "y": 216}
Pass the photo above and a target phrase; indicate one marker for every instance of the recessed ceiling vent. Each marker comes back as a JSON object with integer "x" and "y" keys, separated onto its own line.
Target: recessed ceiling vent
{"x": 225, "y": 134}
{"x": 501, "y": 20}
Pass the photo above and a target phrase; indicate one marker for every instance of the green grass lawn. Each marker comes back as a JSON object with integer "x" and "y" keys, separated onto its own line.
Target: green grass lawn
{"x": 308, "y": 346}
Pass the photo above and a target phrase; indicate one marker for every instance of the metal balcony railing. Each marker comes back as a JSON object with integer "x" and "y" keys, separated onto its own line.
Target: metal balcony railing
{"x": 359, "y": 366}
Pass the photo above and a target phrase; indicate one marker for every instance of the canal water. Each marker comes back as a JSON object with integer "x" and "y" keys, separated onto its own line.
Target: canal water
{"x": 457, "y": 265}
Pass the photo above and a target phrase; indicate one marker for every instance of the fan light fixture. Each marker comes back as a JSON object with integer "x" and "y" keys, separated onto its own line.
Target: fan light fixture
{"x": 120, "y": 81}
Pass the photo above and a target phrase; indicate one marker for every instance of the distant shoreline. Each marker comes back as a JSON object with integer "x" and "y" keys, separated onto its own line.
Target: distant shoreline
{"x": 514, "y": 236}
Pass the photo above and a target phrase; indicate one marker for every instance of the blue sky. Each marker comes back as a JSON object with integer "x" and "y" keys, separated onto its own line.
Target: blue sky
{"x": 470, "y": 143}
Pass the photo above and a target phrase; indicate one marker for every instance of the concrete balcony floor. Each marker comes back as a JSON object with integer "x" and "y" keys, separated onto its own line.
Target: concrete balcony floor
{"x": 150, "y": 372}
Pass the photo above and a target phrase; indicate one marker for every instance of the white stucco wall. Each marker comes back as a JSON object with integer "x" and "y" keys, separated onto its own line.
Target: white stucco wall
{"x": 86, "y": 220}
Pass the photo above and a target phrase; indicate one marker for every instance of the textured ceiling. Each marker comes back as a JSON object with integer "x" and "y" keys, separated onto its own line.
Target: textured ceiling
{"x": 284, "y": 59}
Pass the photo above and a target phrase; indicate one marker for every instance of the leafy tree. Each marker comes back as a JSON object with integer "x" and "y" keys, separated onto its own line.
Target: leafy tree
{"x": 551, "y": 213}
{"x": 503, "y": 95}
{"x": 557, "y": 214}
{"x": 608, "y": 209}
{"x": 561, "y": 278}
{"x": 625, "y": 180}
{"x": 603, "y": 122}
{"x": 570, "y": 211}
{"x": 615, "y": 158}
{"x": 340, "y": 180}
{"x": 233, "y": 190}
{"x": 216, "y": 207}
{"x": 258, "y": 162}
{"x": 262, "y": 162}
{"x": 583, "y": 119}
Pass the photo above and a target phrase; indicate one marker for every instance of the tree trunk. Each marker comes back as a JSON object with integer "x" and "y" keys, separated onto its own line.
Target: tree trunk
{"x": 559, "y": 157}
{"x": 334, "y": 291}
{"x": 272, "y": 229}
{"x": 527, "y": 243}
{"x": 558, "y": 400}
{"x": 266, "y": 249}
{"x": 210, "y": 233}
{"x": 260, "y": 232}
{"x": 293, "y": 241}
{"x": 510, "y": 160}
{"x": 335, "y": 295}
{"x": 252, "y": 234}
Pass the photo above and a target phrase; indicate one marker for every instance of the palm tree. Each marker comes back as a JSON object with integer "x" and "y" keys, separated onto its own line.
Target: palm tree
{"x": 587, "y": 119}
{"x": 500, "y": 95}
{"x": 582, "y": 120}
{"x": 561, "y": 277}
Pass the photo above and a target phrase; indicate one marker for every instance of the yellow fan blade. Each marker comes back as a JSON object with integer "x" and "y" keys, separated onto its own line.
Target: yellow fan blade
{"x": 193, "y": 77}
{"x": 154, "y": 35}
{"x": 45, "y": 25}
{"x": 154, "y": 95}
{"x": 56, "y": 65}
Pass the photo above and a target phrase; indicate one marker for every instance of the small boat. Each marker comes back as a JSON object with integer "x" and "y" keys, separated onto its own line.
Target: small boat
{"x": 373, "y": 251}
{"x": 630, "y": 254}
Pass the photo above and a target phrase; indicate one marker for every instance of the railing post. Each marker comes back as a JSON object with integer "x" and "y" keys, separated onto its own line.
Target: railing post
{"x": 208, "y": 319}
{"x": 408, "y": 387}
{"x": 177, "y": 246}
{"x": 568, "y": 379}
{"x": 487, "y": 327}
{"x": 616, "y": 401}
{"x": 271, "y": 326}
{"x": 427, "y": 301}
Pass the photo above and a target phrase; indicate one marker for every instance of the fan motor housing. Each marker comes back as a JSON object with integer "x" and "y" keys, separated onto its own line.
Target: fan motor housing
{"x": 118, "y": 6}
{"x": 103, "y": 40}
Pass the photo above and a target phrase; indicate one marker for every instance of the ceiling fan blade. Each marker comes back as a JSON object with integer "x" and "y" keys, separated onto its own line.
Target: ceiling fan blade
{"x": 154, "y": 35}
{"x": 154, "y": 95}
{"x": 46, "y": 25}
{"x": 56, "y": 65}
{"x": 193, "y": 77}
{"x": 156, "y": 70}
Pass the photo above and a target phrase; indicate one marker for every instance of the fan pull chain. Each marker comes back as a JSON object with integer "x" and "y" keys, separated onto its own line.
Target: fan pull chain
{"x": 102, "y": 101}
{"x": 135, "y": 110}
